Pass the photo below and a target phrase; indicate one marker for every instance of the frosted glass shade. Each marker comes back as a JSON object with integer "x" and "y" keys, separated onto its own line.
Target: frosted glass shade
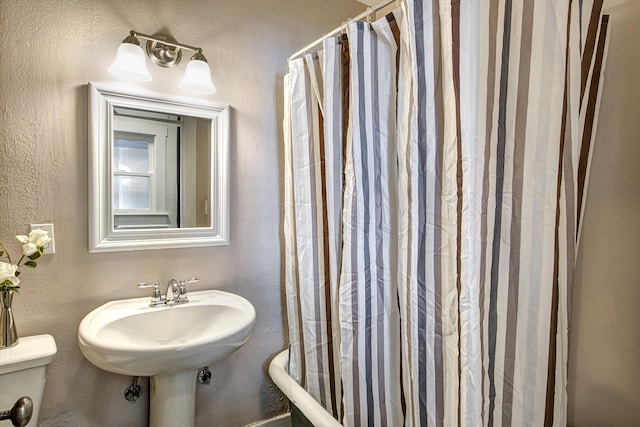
{"x": 197, "y": 78}
{"x": 130, "y": 63}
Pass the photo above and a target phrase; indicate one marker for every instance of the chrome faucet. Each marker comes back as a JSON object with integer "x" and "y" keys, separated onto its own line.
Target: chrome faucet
{"x": 173, "y": 292}
{"x": 176, "y": 292}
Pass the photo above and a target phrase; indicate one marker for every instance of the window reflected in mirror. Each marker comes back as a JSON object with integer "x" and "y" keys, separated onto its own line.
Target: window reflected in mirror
{"x": 132, "y": 173}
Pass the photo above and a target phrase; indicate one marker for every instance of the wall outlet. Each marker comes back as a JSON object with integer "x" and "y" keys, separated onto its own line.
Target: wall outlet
{"x": 51, "y": 249}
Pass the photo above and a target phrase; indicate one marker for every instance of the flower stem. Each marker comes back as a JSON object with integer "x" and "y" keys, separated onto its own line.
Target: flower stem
{"x": 6, "y": 252}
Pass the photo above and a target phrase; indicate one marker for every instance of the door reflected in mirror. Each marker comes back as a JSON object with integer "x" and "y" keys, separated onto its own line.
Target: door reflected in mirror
{"x": 158, "y": 169}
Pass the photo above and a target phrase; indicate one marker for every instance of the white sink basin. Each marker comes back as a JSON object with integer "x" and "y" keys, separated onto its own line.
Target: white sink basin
{"x": 167, "y": 343}
{"x": 128, "y": 337}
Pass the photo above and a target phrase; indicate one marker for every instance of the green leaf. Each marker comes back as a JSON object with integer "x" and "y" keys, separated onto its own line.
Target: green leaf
{"x": 35, "y": 255}
{"x": 31, "y": 264}
{"x": 1, "y": 253}
{"x": 9, "y": 286}
{"x": 17, "y": 273}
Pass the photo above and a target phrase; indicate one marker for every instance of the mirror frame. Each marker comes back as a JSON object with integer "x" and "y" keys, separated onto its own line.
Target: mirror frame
{"x": 102, "y": 235}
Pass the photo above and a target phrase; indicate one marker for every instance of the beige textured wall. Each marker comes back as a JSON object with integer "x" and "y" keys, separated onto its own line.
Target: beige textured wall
{"x": 604, "y": 365}
{"x": 49, "y": 50}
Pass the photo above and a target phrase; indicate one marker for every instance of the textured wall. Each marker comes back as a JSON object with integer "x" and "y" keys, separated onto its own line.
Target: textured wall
{"x": 604, "y": 365}
{"x": 50, "y": 49}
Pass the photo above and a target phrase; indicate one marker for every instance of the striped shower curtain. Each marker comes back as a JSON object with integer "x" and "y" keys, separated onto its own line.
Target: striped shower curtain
{"x": 435, "y": 168}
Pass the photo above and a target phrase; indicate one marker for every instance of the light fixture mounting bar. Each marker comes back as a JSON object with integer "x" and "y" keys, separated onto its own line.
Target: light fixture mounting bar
{"x": 165, "y": 42}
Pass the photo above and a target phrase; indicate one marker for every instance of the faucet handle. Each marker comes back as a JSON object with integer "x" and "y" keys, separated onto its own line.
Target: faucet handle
{"x": 182, "y": 297}
{"x": 148, "y": 284}
{"x": 155, "y": 295}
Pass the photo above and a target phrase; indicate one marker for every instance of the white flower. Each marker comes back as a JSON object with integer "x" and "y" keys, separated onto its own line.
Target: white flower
{"x": 29, "y": 249}
{"x": 35, "y": 242}
{"x": 8, "y": 272}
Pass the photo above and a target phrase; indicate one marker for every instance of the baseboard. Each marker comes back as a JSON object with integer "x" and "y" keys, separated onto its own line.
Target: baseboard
{"x": 283, "y": 420}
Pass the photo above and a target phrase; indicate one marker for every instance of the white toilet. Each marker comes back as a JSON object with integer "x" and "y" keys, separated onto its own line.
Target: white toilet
{"x": 23, "y": 370}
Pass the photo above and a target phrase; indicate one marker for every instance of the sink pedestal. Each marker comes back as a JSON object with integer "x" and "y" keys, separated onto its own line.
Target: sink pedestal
{"x": 173, "y": 399}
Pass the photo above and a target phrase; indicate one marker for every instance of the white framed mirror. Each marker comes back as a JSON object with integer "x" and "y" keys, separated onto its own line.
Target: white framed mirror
{"x": 158, "y": 170}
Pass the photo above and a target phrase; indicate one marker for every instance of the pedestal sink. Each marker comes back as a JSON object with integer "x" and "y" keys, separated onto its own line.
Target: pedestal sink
{"x": 167, "y": 343}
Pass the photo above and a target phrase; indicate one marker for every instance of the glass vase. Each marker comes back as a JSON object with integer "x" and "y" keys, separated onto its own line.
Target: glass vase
{"x": 8, "y": 333}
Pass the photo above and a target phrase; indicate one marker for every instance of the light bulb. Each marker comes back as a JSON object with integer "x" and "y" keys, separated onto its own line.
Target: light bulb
{"x": 197, "y": 78}
{"x": 130, "y": 63}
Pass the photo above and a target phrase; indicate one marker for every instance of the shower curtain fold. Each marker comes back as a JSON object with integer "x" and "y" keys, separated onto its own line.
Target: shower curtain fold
{"x": 368, "y": 284}
{"x": 436, "y": 162}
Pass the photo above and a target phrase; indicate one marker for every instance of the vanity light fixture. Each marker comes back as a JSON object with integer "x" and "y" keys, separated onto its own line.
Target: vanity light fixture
{"x": 165, "y": 51}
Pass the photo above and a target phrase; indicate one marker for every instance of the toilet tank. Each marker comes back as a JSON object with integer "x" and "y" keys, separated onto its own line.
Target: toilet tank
{"x": 23, "y": 370}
